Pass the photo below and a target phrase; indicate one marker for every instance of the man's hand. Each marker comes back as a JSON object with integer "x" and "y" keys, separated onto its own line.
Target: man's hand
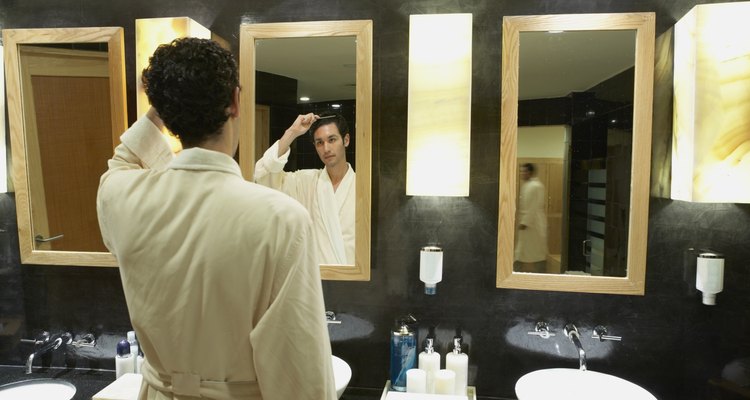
{"x": 300, "y": 125}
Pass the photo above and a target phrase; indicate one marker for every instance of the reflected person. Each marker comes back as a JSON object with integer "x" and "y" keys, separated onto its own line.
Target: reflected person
{"x": 531, "y": 246}
{"x": 218, "y": 273}
{"x": 329, "y": 194}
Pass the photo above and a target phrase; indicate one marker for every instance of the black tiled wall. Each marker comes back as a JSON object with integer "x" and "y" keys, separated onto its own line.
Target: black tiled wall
{"x": 672, "y": 344}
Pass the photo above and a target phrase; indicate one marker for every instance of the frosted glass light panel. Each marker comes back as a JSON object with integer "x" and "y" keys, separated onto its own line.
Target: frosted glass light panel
{"x": 711, "y": 127}
{"x": 149, "y": 34}
{"x": 3, "y": 152}
{"x": 439, "y": 105}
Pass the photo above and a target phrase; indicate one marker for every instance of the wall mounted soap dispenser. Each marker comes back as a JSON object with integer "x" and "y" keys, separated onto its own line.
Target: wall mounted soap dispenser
{"x": 431, "y": 268}
{"x": 709, "y": 277}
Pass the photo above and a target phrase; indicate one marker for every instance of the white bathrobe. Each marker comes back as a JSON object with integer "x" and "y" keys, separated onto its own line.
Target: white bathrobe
{"x": 531, "y": 245}
{"x": 221, "y": 283}
{"x": 332, "y": 212}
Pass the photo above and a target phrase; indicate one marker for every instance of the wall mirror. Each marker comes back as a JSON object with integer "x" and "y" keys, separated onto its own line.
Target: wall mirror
{"x": 576, "y": 104}
{"x": 329, "y": 62}
{"x": 66, "y": 109}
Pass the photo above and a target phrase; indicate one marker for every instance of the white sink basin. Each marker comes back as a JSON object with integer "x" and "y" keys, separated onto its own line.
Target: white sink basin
{"x": 570, "y": 384}
{"x": 342, "y": 373}
{"x": 48, "y": 389}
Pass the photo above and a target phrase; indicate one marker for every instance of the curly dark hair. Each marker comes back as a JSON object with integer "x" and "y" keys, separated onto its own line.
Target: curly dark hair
{"x": 329, "y": 117}
{"x": 190, "y": 82}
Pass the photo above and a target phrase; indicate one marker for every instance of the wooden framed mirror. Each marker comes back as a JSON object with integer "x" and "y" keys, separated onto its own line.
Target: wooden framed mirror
{"x": 66, "y": 109}
{"x": 576, "y": 104}
{"x": 331, "y": 62}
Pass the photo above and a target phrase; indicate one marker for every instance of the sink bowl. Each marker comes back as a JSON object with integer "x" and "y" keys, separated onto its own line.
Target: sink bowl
{"x": 569, "y": 384}
{"x": 342, "y": 373}
{"x": 48, "y": 389}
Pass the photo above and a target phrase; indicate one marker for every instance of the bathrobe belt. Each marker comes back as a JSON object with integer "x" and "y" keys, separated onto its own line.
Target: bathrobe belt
{"x": 185, "y": 385}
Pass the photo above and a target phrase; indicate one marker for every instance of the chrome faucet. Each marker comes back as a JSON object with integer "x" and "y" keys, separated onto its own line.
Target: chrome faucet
{"x": 572, "y": 333}
{"x": 46, "y": 343}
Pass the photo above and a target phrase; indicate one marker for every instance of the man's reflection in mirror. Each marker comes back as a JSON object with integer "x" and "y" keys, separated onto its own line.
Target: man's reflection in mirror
{"x": 328, "y": 193}
{"x": 531, "y": 244}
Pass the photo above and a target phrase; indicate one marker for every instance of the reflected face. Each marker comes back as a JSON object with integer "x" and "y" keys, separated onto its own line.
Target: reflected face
{"x": 330, "y": 145}
{"x": 525, "y": 174}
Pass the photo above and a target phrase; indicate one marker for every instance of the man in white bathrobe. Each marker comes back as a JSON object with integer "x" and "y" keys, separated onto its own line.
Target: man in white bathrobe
{"x": 329, "y": 194}
{"x": 219, "y": 274}
{"x": 531, "y": 245}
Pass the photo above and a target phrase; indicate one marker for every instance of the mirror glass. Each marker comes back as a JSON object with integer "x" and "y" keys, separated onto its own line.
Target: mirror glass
{"x": 575, "y": 151}
{"x": 330, "y": 64}
{"x": 66, "y": 105}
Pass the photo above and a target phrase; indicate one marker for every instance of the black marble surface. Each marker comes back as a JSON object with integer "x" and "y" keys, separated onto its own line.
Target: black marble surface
{"x": 672, "y": 344}
{"x": 88, "y": 382}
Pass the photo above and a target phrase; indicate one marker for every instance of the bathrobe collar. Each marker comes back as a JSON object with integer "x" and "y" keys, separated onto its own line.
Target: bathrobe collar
{"x": 200, "y": 159}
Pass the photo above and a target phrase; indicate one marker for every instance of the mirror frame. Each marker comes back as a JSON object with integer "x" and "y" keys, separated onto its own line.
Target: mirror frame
{"x": 12, "y": 38}
{"x": 634, "y": 282}
{"x": 362, "y": 31}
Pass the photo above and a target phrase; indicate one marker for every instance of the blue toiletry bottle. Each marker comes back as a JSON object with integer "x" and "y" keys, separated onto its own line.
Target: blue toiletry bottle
{"x": 403, "y": 351}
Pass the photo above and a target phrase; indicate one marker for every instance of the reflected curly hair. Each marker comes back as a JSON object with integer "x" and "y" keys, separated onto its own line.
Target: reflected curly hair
{"x": 190, "y": 83}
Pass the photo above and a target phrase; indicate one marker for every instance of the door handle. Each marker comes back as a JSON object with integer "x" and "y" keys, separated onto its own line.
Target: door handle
{"x": 42, "y": 239}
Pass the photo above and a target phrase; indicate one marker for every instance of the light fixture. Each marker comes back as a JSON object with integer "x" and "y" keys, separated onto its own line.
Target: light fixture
{"x": 149, "y": 34}
{"x": 304, "y": 98}
{"x": 336, "y": 106}
{"x": 439, "y": 105}
{"x": 3, "y": 159}
{"x": 710, "y": 141}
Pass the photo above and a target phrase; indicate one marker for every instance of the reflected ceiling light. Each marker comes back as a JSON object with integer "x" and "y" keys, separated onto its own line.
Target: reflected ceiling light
{"x": 711, "y": 139}
{"x": 439, "y": 105}
{"x": 149, "y": 34}
{"x": 336, "y": 106}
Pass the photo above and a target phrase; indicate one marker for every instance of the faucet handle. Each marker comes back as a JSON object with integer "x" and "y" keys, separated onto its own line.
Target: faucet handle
{"x": 331, "y": 318}
{"x": 87, "y": 340}
{"x": 42, "y": 338}
{"x": 600, "y": 332}
{"x": 541, "y": 329}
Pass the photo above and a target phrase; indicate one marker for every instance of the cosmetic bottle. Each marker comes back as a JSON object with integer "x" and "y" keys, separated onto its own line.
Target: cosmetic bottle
{"x": 458, "y": 362}
{"x": 403, "y": 351}
{"x": 139, "y": 360}
{"x": 123, "y": 359}
{"x": 429, "y": 361}
{"x": 133, "y": 350}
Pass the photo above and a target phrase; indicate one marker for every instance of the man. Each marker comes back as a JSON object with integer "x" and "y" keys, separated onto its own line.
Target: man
{"x": 531, "y": 247}
{"x": 219, "y": 275}
{"x": 329, "y": 194}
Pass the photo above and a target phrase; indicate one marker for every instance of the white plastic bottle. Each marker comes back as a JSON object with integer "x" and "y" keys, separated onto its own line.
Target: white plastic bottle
{"x": 458, "y": 362}
{"x": 123, "y": 359}
{"x": 133, "y": 350}
{"x": 429, "y": 361}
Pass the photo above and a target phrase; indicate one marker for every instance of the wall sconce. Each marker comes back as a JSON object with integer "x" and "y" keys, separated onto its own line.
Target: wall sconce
{"x": 439, "y": 105}
{"x": 711, "y": 139}
{"x": 149, "y": 34}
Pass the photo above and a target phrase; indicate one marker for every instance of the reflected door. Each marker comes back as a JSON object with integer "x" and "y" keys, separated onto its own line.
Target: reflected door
{"x": 66, "y": 93}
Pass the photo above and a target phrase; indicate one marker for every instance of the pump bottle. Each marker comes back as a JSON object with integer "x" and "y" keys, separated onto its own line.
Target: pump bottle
{"x": 458, "y": 362}
{"x": 429, "y": 361}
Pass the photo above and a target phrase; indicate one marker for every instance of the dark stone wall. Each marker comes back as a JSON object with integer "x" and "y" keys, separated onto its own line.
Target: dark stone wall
{"x": 672, "y": 344}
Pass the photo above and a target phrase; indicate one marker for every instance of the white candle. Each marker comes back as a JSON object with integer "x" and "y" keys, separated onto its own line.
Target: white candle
{"x": 445, "y": 382}
{"x": 416, "y": 381}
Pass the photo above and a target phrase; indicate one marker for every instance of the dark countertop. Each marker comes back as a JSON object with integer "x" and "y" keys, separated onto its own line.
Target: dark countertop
{"x": 88, "y": 382}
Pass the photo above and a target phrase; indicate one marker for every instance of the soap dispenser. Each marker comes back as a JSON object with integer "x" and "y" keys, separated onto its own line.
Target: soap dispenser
{"x": 403, "y": 351}
{"x": 429, "y": 361}
{"x": 458, "y": 362}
